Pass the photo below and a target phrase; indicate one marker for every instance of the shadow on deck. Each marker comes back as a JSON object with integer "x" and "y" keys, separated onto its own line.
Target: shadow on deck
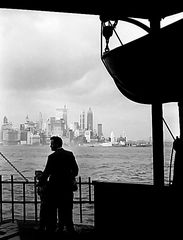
{"x": 20, "y": 230}
{"x": 28, "y": 232}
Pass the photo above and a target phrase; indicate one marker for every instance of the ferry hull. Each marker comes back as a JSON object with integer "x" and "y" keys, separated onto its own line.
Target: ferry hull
{"x": 149, "y": 70}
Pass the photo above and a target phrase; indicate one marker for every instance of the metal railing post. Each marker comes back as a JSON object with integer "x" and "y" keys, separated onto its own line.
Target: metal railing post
{"x": 12, "y": 199}
{"x": 24, "y": 203}
{"x": 89, "y": 185}
{"x": 80, "y": 201}
{"x": 1, "y": 197}
{"x": 35, "y": 200}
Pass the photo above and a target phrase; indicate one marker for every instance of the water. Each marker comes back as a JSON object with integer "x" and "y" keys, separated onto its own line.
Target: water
{"x": 124, "y": 164}
{"x": 121, "y": 164}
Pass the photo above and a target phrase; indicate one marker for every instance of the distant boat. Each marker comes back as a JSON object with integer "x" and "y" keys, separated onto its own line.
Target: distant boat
{"x": 110, "y": 144}
{"x": 106, "y": 144}
{"x": 143, "y": 145}
{"x": 118, "y": 145}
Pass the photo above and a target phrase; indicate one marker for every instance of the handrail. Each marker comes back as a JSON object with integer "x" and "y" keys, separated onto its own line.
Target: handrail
{"x": 15, "y": 192}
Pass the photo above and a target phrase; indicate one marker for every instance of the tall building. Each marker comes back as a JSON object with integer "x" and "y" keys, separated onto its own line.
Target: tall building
{"x": 65, "y": 115}
{"x": 113, "y": 139}
{"x": 76, "y": 125}
{"x": 40, "y": 123}
{"x": 88, "y": 135}
{"x": 61, "y": 113}
{"x": 99, "y": 132}
{"x": 29, "y": 125}
{"x": 5, "y": 120}
{"x": 6, "y": 126}
{"x": 82, "y": 121}
{"x": 8, "y": 134}
{"x": 11, "y": 136}
{"x": 90, "y": 120}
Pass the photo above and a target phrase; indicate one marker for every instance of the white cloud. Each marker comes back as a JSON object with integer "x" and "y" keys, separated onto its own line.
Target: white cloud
{"x": 51, "y": 59}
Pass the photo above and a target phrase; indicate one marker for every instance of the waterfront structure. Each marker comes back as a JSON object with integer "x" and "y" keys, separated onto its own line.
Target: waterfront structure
{"x": 65, "y": 116}
{"x": 88, "y": 135}
{"x": 40, "y": 123}
{"x": 76, "y": 126}
{"x": 61, "y": 113}
{"x": 6, "y": 124}
{"x": 35, "y": 139}
{"x": 113, "y": 139}
{"x": 122, "y": 141}
{"x": 82, "y": 120}
{"x": 23, "y": 136}
{"x": 77, "y": 132}
{"x": 30, "y": 125}
{"x": 90, "y": 120}
{"x": 8, "y": 134}
{"x": 99, "y": 130}
{"x": 56, "y": 127}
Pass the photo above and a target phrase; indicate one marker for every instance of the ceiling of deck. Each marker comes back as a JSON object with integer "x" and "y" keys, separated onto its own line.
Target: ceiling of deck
{"x": 118, "y": 9}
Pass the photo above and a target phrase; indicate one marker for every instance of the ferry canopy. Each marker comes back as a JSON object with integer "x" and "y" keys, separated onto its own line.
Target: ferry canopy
{"x": 117, "y": 9}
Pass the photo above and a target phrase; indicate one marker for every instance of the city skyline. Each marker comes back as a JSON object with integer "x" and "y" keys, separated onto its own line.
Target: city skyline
{"x": 86, "y": 125}
{"x": 50, "y": 59}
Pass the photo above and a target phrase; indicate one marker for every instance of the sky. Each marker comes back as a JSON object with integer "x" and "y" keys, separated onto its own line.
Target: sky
{"x": 48, "y": 60}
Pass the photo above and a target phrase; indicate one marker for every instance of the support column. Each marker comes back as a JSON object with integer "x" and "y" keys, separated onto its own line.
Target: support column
{"x": 157, "y": 120}
{"x": 158, "y": 150}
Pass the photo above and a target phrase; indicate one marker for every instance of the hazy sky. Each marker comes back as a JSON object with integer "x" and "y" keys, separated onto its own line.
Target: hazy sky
{"x": 48, "y": 60}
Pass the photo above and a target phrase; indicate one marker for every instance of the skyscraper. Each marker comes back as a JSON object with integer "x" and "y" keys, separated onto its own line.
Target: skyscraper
{"x": 40, "y": 123}
{"x": 61, "y": 113}
{"x": 65, "y": 115}
{"x": 100, "y": 133}
{"x": 5, "y": 120}
{"x": 82, "y": 120}
{"x": 90, "y": 120}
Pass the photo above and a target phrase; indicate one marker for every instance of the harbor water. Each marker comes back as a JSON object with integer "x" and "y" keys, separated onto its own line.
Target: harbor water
{"x": 119, "y": 164}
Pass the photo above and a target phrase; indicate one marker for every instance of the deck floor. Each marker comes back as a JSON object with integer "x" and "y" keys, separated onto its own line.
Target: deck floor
{"x": 27, "y": 231}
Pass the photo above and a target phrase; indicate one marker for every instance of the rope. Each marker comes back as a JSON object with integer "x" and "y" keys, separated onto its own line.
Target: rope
{"x": 168, "y": 129}
{"x": 14, "y": 167}
{"x": 116, "y": 32}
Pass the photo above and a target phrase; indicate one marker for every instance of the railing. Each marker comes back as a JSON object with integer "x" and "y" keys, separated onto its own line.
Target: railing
{"x": 19, "y": 200}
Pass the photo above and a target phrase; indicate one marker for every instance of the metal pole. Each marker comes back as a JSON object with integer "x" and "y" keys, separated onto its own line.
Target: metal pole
{"x": 157, "y": 123}
{"x": 1, "y": 199}
{"x": 12, "y": 199}
{"x": 14, "y": 167}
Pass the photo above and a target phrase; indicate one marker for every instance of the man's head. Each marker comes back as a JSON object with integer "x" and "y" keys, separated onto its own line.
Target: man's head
{"x": 56, "y": 142}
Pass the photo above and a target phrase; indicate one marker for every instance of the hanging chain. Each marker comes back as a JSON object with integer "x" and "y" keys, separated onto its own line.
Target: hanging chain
{"x": 107, "y": 31}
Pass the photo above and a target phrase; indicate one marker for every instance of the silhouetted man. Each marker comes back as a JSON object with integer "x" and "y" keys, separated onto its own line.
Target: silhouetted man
{"x": 61, "y": 168}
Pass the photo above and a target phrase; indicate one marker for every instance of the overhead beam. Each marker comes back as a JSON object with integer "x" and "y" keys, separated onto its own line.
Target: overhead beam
{"x": 120, "y": 9}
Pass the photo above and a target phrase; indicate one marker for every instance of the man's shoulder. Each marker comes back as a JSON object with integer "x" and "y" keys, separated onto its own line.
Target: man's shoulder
{"x": 61, "y": 152}
{"x": 67, "y": 152}
{"x": 51, "y": 155}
